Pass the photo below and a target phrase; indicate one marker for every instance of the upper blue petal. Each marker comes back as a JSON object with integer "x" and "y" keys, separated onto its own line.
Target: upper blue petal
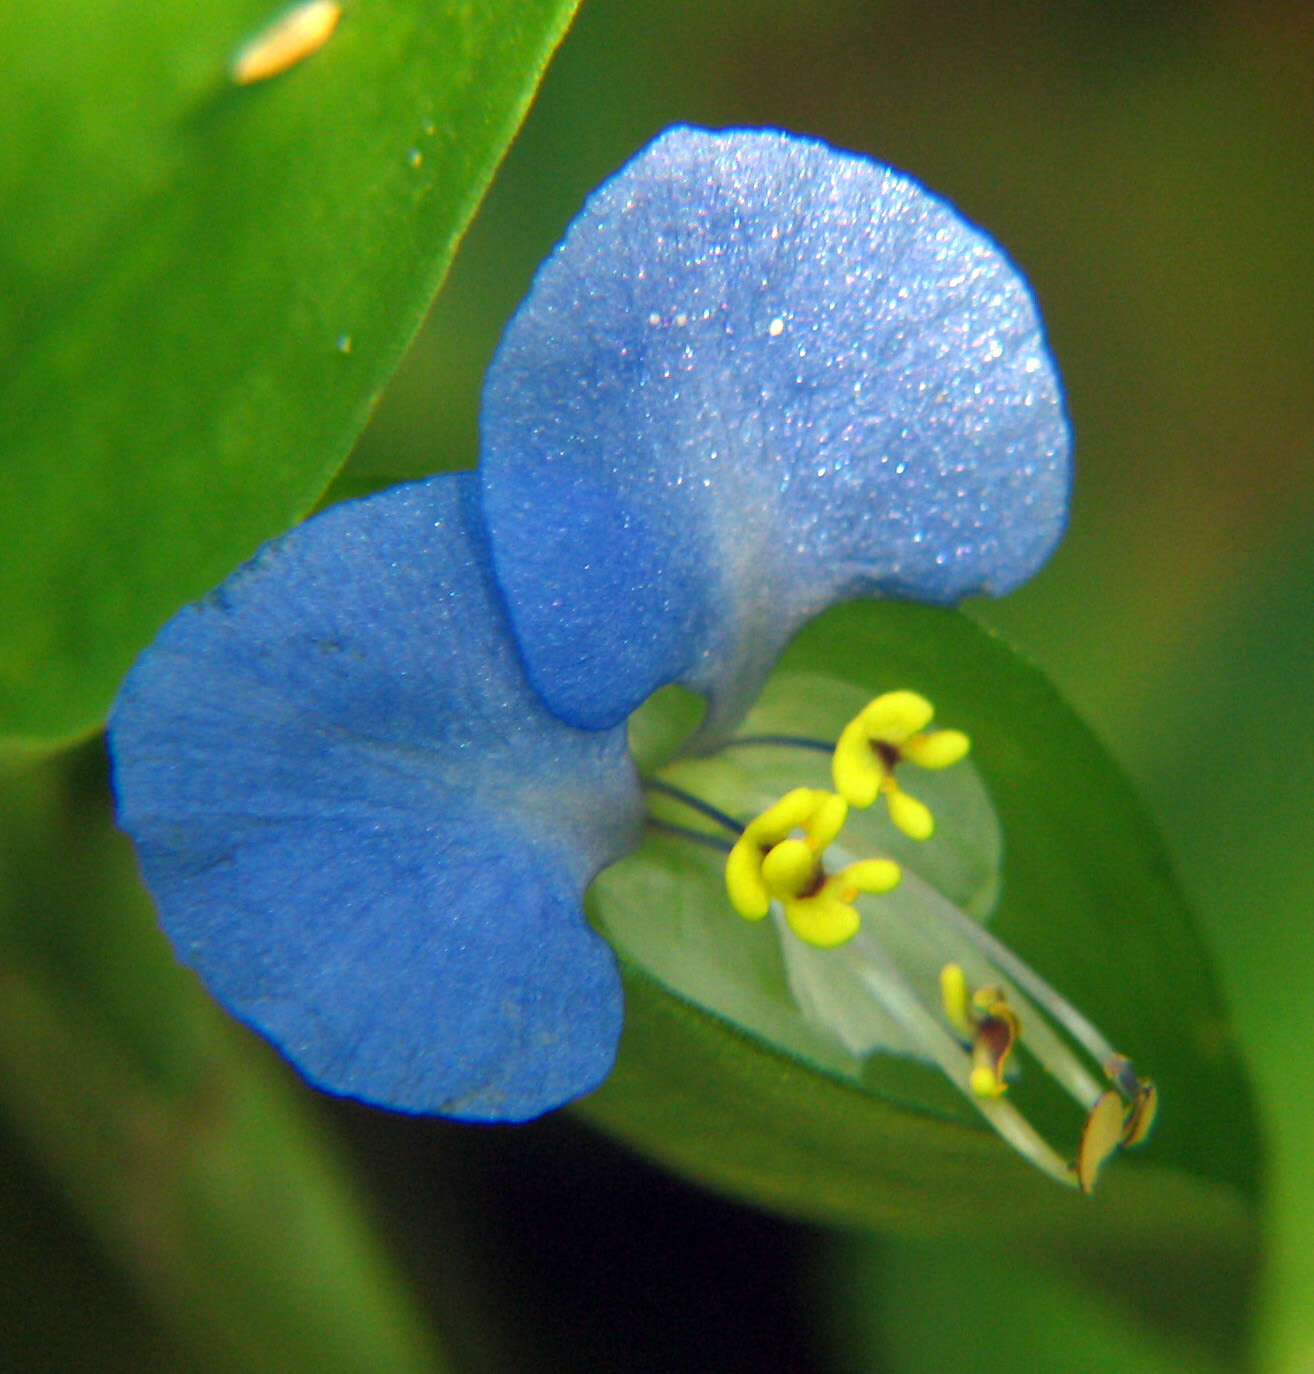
{"x": 363, "y": 829}
{"x": 756, "y": 377}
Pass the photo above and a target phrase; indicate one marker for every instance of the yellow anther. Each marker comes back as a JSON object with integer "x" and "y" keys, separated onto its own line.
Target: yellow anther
{"x": 1101, "y": 1137}
{"x": 996, "y": 1034}
{"x": 938, "y": 749}
{"x": 1140, "y": 1114}
{"x": 790, "y": 868}
{"x": 825, "y": 914}
{"x": 984, "y": 1082}
{"x": 818, "y": 814}
{"x": 957, "y": 1001}
{"x": 791, "y": 812}
{"x": 1140, "y": 1096}
{"x": 868, "y": 875}
{"x": 855, "y": 766}
{"x": 778, "y": 858}
{"x": 827, "y": 821}
{"x": 743, "y": 881}
{"x": 911, "y": 816}
{"x": 1122, "y": 1115}
{"x": 888, "y": 731}
{"x": 822, "y": 920}
{"x": 896, "y": 716}
{"x": 987, "y": 1022}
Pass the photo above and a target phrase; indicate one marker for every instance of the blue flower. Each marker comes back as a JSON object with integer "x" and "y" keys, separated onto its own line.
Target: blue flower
{"x": 363, "y": 828}
{"x": 758, "y": 376}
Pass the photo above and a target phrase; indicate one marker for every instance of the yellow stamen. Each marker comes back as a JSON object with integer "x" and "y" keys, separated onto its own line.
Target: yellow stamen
{"x": 792, "y": 812}
{"x": 1141, "y": 1111}
{"x": 987, "y": 1022}
{"x": 869, "y": 875}
{"x": 1101, "y": 1137}
{"x": 820, "y": 815}
{"x": 822, "y": 920}
{"x": 825, "y": 916}
{"x": 886, "y": 732}
{"x": 939, "y": 749}
{"x": 790, "y": 868}
{"x": 896, "y": 716}
{"x": 911, "y": 816}
{"x": 1140, "y": 1096}
{"x": 743, "y": 882}
{"x": 778, "y": 858}
{"x": 778, "y": 861}
{"x": 996, "y": 1034}
{"x": 957, "y": 1002}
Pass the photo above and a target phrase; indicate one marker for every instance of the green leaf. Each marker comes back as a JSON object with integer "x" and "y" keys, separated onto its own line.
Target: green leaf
{"x": 909, "y": 1307}
{"x": 1086, "y": 897}
{"x": 182, "y": 1144}
{"x": 205, "y": 288}
{"x": 1230, "y": 776}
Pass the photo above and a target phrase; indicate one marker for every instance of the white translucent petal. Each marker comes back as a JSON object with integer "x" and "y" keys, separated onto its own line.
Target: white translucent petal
{"x": 831, "y": 992}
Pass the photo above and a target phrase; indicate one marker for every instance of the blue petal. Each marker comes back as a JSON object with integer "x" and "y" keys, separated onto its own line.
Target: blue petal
{"x": 758, "y": 376}
{"x": 363, "y": 829}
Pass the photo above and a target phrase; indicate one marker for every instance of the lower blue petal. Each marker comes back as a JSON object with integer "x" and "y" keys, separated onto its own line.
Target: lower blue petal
{"x": 756, "y": 377}
{"x": 363, "y": 829}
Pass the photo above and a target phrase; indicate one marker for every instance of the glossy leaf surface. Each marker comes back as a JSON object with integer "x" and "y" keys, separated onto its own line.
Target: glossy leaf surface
{"x": 205, "y": 288}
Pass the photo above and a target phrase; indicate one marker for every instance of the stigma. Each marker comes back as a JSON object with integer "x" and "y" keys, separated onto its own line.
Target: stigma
{"x": 936, "y": 986}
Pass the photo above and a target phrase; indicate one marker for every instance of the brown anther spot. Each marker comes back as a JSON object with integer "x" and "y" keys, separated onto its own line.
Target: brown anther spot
{"x": 889, "y": 754}
{"x": 817, "y": 883}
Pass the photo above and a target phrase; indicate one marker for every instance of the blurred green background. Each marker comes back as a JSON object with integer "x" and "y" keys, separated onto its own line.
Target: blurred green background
{"x": 1150, "y": 168}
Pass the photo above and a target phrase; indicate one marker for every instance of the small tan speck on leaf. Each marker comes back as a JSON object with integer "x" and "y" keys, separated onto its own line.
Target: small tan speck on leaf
{"x": 294, "y": 35}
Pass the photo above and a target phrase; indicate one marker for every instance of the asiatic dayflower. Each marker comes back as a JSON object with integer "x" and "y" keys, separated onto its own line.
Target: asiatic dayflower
{"x": 372, "y": 775}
